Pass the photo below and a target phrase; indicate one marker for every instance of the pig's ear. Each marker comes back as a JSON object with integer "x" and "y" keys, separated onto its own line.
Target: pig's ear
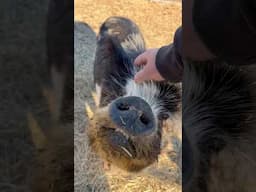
{"x": 103, "y": 59}
{"x": 110, "y": 60}
{"x": 38, "y": 137}
{"x": 109, "y": 48}
{"x": 88, "y": 111}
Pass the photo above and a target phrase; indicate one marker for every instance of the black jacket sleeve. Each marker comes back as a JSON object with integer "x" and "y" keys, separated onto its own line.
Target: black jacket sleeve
{"x": 169, "y": 61}
{"x": 229, "y": 35}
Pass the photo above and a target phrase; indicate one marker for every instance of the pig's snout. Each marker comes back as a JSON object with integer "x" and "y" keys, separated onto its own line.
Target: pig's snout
{"x": 133, "y": 115}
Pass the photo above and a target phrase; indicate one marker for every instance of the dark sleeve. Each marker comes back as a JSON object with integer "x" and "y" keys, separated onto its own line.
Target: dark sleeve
{"x": 168, "y": 59}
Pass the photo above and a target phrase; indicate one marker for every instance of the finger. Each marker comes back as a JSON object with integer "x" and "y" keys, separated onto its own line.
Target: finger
{"x": 141, "y": 76}
{"x": 141, "y": 59}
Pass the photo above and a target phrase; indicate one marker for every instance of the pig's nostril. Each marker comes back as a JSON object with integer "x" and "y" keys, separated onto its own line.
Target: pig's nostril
{"x": 144, "y": 119}
{"x": 133, "y": 115}
{"x": 123, "y": 106}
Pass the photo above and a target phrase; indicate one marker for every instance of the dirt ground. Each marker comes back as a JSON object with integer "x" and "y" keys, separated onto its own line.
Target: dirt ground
{"x": 157, "y": 21}
{"x": 89, "y": 175}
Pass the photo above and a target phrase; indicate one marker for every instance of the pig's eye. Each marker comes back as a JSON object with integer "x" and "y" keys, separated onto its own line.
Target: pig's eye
{"x": 123, "y": 107}
{"x": 144, "y": 119}
{"x": 163, "y": 116}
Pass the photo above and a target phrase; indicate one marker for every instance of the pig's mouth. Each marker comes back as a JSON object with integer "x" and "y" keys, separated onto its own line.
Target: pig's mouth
{"x": 120, "y": 142}
{"x": 128, "y": 136}
{"x": 132, "y": 121}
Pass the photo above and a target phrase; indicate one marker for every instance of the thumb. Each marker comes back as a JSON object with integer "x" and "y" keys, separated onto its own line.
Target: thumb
{"x": 141, "y": 59}
{"x": 141, "y": 76}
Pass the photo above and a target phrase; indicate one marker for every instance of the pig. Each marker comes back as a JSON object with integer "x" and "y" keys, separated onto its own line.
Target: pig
{"x": 126, "y": 127}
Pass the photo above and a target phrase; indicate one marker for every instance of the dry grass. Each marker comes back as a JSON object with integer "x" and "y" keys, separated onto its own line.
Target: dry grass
{"x": 158, "y": 22}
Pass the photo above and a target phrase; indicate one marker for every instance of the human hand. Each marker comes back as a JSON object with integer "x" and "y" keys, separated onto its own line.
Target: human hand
{"x": 149, "y": 70}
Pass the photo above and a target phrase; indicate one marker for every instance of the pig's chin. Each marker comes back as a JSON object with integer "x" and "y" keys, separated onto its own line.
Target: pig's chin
{"x": 120, "y": 142}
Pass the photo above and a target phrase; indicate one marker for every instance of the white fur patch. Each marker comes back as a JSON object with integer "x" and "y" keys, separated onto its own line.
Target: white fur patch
{"x": 98, "y": 94}
{"x": 147, "y": 91}
{"x": 133, "y": 43}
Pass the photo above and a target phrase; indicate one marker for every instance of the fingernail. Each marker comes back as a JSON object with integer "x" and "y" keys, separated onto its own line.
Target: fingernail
{"x": 137, "y": 81}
